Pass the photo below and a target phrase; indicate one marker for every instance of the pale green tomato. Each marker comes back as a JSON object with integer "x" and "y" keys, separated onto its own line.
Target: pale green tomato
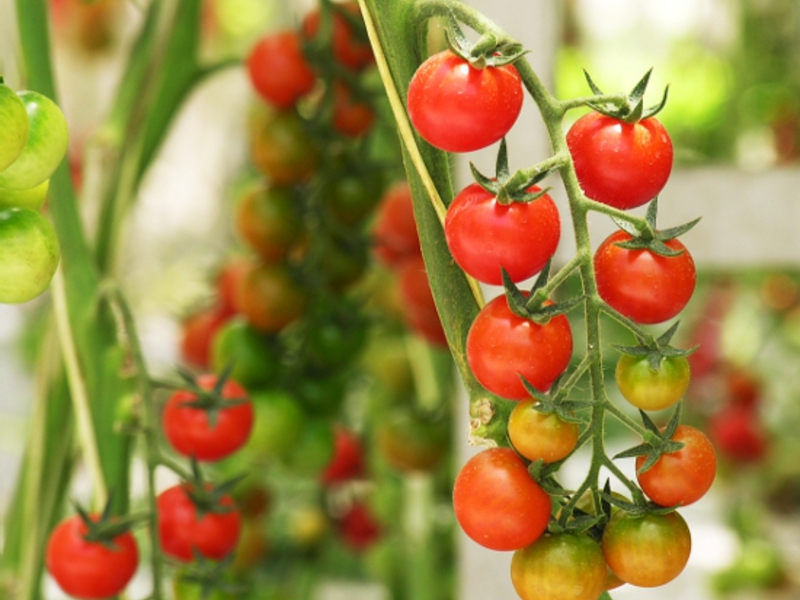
{"x": 13, "y": 126}
{"x": 29, "y": 254}
{"x": 32, "y": 198}
{"x": 46, "y": 145}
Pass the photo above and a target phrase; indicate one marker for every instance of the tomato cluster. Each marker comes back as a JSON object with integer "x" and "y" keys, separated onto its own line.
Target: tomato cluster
{"x": 33, "y": 143}
{"x": 519, "y": 347}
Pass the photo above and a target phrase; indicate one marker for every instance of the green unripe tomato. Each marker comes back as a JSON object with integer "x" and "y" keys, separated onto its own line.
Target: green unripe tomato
{"x": 250, "y": 352}
{"x": 14, "y": 126}
{"x": 652, "y": 390}
{"x": 279, "y": 424}
{"x": 29, "y": 254}
{"x": 45, "y": 147}
{"x": 32, "y": 198}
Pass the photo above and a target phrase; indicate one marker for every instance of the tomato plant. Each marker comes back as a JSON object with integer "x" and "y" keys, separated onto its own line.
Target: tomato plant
{"x": 32, "y": 198}
{"x": 418, "y": 305}
{"x": 641, "y": 284}
{"x": 395, "y": 230}
{"x": 617, "y": 163}
{"x": 268, "y": 222}
{"x": 185, "y": 528}
{"x": 537, "y": 435}
{"x": 209, "y": 422}
{"x": 652, "y": 389}
{"x": 283, "y": 150}
{"x": 411, "y": 441}
{"x": 251, "y": 355}
{"x": 86, "y": 568}
{"x": 279, "y": 71}
{"x": 14, "y": 117}
{"x": 197, "y": 334}
{"x": 502, "y": 347}
{"x": 349, "y": 44}
{"x": 458, "y": 107}
{"x": 29, "y": 254}
{"x": 351, "y": 117}
{"x": 647, "y": 550}
{"x": 565, "y": 566}
{"x": 497, "y": 503}
{"x": 682, "y": 477}
{"x": 739, "y": 434}
{"x": 269, "y": 298}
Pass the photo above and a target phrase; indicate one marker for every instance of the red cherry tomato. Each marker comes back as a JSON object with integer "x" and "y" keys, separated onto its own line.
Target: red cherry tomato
{"x": 269, "y": 298}
{"x": 86, "y": 569}
{"x": 351, "y": 117}
{"x": 348, "y": 458}
{"x": 502, "y": 346}
{"x": 681, "y": 477}
{"x": 359, "y": 528}
{"x": 198, "y": 331}
{"x": 182, "y": 529}
{"x": 418, "y": 305}
{"x": 642, "y": 285}
{"x": 194, "y": 432}
{"x": 484, "y": 235}
{"x": 738, "y": 434}
{"x": 620, "y": 164}
{"x": 395, "y": 230}
{"x": 458, "y": 108}
{"x": 497, "y": 503}
{"x": 350, "y": 49}
{"x": 278, "y": 69}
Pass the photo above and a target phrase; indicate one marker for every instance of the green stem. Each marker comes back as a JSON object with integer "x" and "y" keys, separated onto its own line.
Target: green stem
{"x": 626, "y": 420}
{"x": 583, "y": 101}
{"x": 629, "y": 324}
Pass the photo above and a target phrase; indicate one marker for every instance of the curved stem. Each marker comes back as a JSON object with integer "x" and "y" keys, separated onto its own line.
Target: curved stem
{"x": 629, "y": 324}
{"x": 625, "y": 419}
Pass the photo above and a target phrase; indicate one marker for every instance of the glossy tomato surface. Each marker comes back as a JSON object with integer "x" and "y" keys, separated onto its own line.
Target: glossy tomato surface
{"x": 642, "y": 285}
{"x": 208, "y": 435}
{"x": 537, "y": 435}
{"x": 620, "y": 164}
{"x": 502, "y": 346}
{"x": 86, "y": 569}
{"x": 484, "y": 235}
{"x": 652, "y": 390}
{"x": 29, "y": 254}
{"x": 682, "y": 477}
{"x": 278, "y": 69}
{"x": 497, "y": 503}
{"x": 459, "y": 108}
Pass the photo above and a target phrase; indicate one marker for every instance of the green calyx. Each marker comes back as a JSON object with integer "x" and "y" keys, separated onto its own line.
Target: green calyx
{"x": 211, "y": 401}
{"x": 487, "y": 51}
{"x": 630, "y": 108}
{"x": 508, "y": 188}
{"x": 656, "y": 442}
{"x": 656, "y": 349}
{"x": 209, "y": 498}
{"x": 532, "y": 306}
{"x": 106, "y": 528}
{"x": 649, "y": 237}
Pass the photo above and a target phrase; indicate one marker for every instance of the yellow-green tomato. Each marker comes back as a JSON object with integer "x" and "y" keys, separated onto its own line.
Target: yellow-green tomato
{"x": 45, "y": 147}
{"x": 32, "y": 198}
{"x": 537, "y": 435}
{"x": 565, "y": 566}
{"x": 29, "y": 254}
{"x": 13, "y": 126}
{"x": 652, "y": 390}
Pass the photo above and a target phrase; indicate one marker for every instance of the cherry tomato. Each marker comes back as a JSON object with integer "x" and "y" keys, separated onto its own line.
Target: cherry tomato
{"x": 744, "y": 387}
{"x": 359, "y": 528}
{"x": 352, "y": 197}
{"x": 497, "y": 503}
{"x": 267, "y": 220}
{"x": 183, "y": 529}
{"x": 348, "y": 458}
{"x": 336, "y": 341}
{"x": 652, "y": 390}
{"x": 278, "y": 425}
{"x": 251, "y": 355}
{"x": 738, "y": 434}
{"x": 14, "y": 132}
{"x": 278, "y": 69}
{"x": 86, "y": 569}
{"x": 502, "y": 346}
{"x": 484, "y": 235}
{"x": 395, "y": 231}
{"x": 647, "y": 550}
{"x": 269, "y": 299}
{"x": 29, "y": 254}
{"x": 198, "y": 331}
{"x": 537, "y": 435}
{"x": 681, "y": 477}
{"x": 227, "y": 280}
{"x": 566, "y": 566}
{"x": 418, "y": 305}
{"x": 620, "y": 164}
{"x": 644, "y": 286}
{"x": 33, "y": 198}
{"x": 349, "y": 48}
{"x": 252, "y": 547}
{"x": 208, "y": 436}
{"x": 314, "y": 449}
{"x": 351, "y": 117}
{"x": 458, "y": 108}
{"x": 283, "y": 150}
{"x": 411, "y": 442}
{"x": 45, "y": 146}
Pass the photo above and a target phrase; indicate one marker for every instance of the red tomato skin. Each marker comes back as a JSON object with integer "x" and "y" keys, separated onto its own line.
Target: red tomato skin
{"x": 395, "y": 230}
{"x": 501, "y": 346}
{"x": 198, "y": 332}
{"x": 681, "y": 477}
{"x": 497, "y": 503}
{"x": 458, "y": 108}
{"x": 182, "y": 530}
{"x": 484, "y": 235}
{"x": 738, "y": 434}
{"x": 418, "y": 305}
{"x": 351, "y": 117}
{"x": 644, "y": 286}
{"x": 89, "y": 569}
{"x": 190, "y": 432}
{"x": 348, "y": 458}
{"x": 349, "y": 51}
{"x": 620, "y": 164}
{"x": 278, "y": 70}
